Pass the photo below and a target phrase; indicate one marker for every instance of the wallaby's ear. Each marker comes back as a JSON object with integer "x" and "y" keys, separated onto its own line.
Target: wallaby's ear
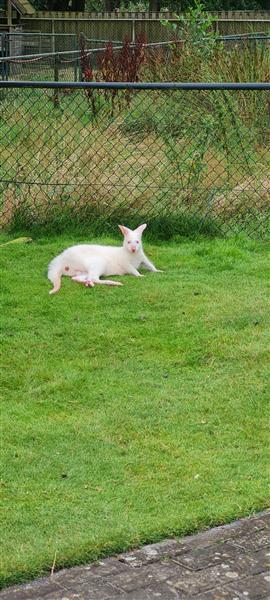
{"x": 124, "y": 229}
{"x": 141, "y": 228}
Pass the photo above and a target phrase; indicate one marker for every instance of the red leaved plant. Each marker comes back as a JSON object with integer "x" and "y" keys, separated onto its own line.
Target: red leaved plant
{"x": 115, "y": 65}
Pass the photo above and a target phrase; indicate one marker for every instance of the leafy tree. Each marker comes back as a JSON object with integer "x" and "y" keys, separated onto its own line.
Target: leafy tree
{"x": 195, "y": 29}
{"x": 149, "y": 5}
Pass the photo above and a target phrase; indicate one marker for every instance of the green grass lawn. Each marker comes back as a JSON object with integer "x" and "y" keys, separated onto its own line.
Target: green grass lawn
{"x": 132, "y": 413}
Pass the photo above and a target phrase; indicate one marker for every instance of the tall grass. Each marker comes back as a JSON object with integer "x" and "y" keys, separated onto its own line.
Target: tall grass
{"x": 238, "y": 65}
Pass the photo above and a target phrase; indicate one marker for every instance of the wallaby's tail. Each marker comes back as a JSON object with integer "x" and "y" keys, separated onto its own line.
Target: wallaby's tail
{"x": 54, "y": 274}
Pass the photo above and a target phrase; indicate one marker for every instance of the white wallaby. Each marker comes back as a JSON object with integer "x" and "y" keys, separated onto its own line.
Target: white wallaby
{"x": 86, "y": 263}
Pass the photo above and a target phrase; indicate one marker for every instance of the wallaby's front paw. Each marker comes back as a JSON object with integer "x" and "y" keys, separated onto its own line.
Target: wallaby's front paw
{"x": 89, "y": 283}
{"x": 159, "y": 271}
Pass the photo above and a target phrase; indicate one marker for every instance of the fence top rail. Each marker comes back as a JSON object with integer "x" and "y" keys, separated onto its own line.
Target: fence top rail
{"x": 237, "y": 37}
{"x": 141, "y": 15}
{"x": 103, "y": 41}
{"x": 35, "y": 33}
{"x": 135, "y": 86}
{"x": 22, "y": 57}
{"x": 35, "y": 17}
{"x": 89, "y": 51}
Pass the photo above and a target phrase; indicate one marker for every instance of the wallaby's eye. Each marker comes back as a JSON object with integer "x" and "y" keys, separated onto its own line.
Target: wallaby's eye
{"x": 137, "y": 242}
{"x": 129, "y": 242}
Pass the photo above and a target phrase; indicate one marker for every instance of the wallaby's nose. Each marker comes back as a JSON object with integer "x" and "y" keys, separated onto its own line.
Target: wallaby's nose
{"x": 133, "y": 250}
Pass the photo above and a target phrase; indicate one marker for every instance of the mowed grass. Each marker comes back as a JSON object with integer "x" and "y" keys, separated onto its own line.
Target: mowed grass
{"x": 132, "y": 413}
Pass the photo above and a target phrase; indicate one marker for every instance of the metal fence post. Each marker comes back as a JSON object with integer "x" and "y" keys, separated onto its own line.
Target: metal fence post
{"x": 2, "y": 54}
{"x": 56, "y": 78}
{"x": 56, "y": 67}
{"x": 76, "y": 64}
{"x": 5, "y": 52}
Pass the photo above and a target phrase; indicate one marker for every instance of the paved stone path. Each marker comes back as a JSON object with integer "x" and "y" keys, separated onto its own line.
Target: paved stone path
{"x": 229, "y": 562}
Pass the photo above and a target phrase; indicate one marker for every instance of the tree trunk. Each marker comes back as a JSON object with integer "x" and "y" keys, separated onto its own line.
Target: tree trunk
{"x": 57, "y": 5}
{"x": 78, "y": 5}
{"x": 108, "y": 5}
{"x": 154, "y": 5}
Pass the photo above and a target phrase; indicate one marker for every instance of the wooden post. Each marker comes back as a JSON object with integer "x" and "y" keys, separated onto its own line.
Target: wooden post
{"x": 133, "y": 31}
{"x": 9, "y": 14}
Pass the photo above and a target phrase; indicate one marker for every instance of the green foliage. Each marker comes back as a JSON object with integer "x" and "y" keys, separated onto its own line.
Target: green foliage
{"x": 94, "y": 5}
{"x": 165, "y": 5}
{"x": 195, "y": 29}
{"x": 219, "y": 5}
{"x": 148, "y": 401}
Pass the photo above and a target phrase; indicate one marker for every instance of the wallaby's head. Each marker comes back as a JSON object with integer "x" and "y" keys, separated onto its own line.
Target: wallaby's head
{"x": 132, "y": 239}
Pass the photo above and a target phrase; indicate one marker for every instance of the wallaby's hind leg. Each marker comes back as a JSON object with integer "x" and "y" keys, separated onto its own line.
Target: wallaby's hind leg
{"x": 90, "y": 279}
{"x": 107, "y": 282}
{"x": 85, "y": 279}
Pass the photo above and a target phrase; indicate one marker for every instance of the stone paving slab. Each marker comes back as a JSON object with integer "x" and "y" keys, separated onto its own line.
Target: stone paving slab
{"x": 172, "y": 548}
{"x": 254, "y": 562}
{"x": 230, "y": 562}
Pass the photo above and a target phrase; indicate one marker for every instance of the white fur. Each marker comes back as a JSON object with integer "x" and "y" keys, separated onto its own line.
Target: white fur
{"x": 86, "y": 263}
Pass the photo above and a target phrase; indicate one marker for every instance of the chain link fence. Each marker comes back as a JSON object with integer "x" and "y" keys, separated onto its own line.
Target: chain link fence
{"x": 183, "y": 157}
{"x": 57, "y": 57}
{"x": 66, "y": 65}
{"x": 46, "y": 56}
{"x": 19, "y": 42}
{"x": 63, "y": 66}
